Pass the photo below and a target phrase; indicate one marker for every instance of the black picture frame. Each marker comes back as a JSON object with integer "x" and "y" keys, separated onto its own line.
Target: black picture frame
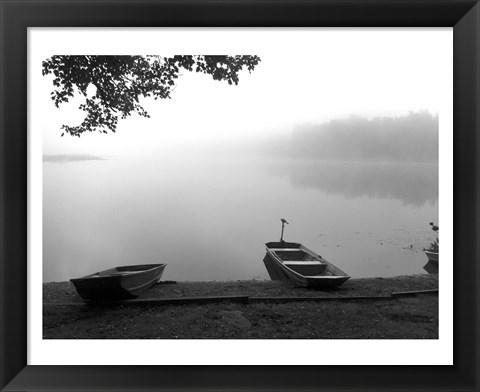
{"x": 18, "y": 15}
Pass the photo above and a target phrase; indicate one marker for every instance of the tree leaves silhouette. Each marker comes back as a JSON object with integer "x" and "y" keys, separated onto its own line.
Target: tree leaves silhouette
{"x": 119, "y": 82}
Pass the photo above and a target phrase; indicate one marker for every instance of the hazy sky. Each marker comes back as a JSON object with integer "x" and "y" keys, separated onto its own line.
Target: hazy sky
{"x": 305, "y": 76}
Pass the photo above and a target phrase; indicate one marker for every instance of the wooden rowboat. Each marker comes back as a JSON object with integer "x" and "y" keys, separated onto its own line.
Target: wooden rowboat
{"x": 119, "y": 282}
{"x": 432, "y": 256}
{"x": 293, "y": 261}
{"x": 431, "y": 268}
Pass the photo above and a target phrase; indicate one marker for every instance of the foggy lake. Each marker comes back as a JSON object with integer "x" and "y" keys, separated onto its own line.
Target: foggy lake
{"x": 208, "y": 215}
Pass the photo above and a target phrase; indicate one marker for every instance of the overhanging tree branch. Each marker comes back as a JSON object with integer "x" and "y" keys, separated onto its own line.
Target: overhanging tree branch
{"x": 121, "y": 80}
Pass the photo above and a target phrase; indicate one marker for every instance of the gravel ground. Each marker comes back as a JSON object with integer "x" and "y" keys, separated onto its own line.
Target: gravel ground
{"x": 401, "y": 318}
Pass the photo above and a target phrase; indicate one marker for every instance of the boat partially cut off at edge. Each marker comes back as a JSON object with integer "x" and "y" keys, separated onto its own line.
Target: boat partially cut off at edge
{"x": 118, "y": 283}
{"x": 432, "y": 256}
{"x": 295, "y": 262}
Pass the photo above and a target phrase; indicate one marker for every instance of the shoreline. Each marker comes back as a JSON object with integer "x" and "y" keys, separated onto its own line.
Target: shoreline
{"x": 403, "y": 317}
{"x": 56, "y": 292}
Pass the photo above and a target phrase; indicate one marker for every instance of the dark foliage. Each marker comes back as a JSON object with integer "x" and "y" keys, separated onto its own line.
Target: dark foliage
{"x": 120, "y": 81}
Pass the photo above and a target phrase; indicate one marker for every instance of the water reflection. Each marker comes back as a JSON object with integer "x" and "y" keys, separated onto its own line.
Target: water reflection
{"x": 209, "y": 217}
{"x": 413, "y": 183}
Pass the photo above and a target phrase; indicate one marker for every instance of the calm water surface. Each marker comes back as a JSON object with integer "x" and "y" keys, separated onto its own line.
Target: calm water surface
{"x": 209, "y": 217}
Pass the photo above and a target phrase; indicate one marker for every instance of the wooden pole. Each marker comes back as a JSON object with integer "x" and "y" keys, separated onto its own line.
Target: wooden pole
{"x": 283, "y": 225}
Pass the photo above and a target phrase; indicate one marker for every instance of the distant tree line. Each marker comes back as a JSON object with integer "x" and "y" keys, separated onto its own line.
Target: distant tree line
{"x": 413, "y": 137}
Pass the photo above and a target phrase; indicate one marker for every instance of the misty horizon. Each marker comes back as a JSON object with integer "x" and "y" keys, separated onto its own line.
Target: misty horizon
{"x": 409, "y": 138}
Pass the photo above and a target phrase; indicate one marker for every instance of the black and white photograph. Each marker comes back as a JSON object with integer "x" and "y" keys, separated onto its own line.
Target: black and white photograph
{"x": 229, "y": 186}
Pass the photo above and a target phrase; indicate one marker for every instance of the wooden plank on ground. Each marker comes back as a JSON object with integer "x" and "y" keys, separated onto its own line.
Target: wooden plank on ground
{"x": 239, "y": 299}
{"x": 318, "y": 299}
{"x": 157, "y": 301}
{"x": 412, "y": 293}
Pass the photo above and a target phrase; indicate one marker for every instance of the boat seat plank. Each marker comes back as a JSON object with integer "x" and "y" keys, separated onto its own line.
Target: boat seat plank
{"x": 286, "y": 249}
{"x": 305, "y": 262}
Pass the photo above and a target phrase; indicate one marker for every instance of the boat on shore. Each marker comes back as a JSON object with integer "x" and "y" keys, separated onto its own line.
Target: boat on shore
{"x": 431, "y": 268}
{"x": 432, "y": 251}
{"x": 118, "y": 283}
{"x": 432, "y": 256}
{"x": 294, "y": 262}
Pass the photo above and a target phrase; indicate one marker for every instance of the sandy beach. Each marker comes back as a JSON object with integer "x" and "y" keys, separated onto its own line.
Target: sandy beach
{"x": 360, "y": 309}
